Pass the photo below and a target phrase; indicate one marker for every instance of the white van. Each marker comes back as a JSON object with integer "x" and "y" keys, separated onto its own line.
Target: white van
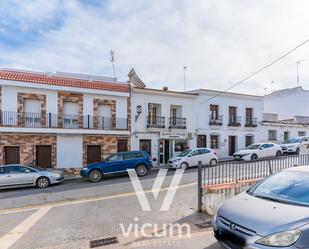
{"x": 189, "y": 158}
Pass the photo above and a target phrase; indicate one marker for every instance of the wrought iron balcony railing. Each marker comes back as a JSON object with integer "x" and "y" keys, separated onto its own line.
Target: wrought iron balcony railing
{"x": 155, "y": 122}
{"x": 234, "y": 120}
{"x": 66, "y": 121}
{"x": 251, "y": 122}
{"x": 215, "y": 120}
{"x": 178, "y": 123}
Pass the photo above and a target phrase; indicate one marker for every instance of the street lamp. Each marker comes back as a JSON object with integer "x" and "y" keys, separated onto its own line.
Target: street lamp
{"x": 138, "y": 111}
{"x": 297, "y": 64}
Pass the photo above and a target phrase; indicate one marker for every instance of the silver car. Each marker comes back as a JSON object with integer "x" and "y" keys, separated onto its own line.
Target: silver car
{"x": 25, "y": 175}
{"x": 274, "y": 213}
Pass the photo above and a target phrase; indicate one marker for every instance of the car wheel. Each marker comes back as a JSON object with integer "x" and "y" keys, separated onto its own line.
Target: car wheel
{"x": 42, "y": 182}
{"x": 184, "y": 165}
{"x": 278, "y": 153}
{"x": 297, "y": 151}
{"x": 141, "y": 170}
{"x": 254, "y": 157}
{"x": 213, "y": 162}
{"x": 95, "y": 175}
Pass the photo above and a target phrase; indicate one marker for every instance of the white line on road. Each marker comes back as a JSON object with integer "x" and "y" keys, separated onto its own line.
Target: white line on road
{"x": 16, "y": 233}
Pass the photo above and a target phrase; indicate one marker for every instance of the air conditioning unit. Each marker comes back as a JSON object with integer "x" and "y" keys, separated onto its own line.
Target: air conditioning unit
{"x": 190, "y": 135}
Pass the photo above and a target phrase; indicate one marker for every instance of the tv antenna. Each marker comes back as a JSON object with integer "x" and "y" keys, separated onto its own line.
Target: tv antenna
{"x": 184, "y": 77}
{"x": 112, "y": 60}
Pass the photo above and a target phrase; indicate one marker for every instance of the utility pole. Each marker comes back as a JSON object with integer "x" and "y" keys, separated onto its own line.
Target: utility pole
{"x": 112, "y": 60}
{"x": 297, "y": 69}
{"x": 184, "y": 77}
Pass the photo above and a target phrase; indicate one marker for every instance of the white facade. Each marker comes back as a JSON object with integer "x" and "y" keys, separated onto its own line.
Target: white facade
{"x": 164, "y": 139}
{"x": 231, "y": 132}
{"x": 287, "y": 103}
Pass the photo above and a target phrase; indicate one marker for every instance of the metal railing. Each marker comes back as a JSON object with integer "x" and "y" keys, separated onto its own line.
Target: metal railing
{"x": 66, "y": 121}
{"x": 235, "y": 171}
{"x": 215, "y": 120}
{"x": 234, "y": 120}
{"x": 251, "y": 122}
{"x": 179, "y": 123}
{"x": 155, "y": 122}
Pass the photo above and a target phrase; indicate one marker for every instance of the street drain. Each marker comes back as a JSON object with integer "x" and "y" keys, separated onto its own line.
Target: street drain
{"x": 103, "y": 242}
{"x": 204, "y": 225}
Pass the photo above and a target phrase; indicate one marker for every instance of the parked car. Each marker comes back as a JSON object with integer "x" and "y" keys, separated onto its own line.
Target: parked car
{"x": 274, "y": 213}
{"x": 189, "y": 158}
{"x": 26, "y": 175}
{"x": 118, "y": 163}
{"x": 257, "y": 151}
{"x": 294, "y": 144}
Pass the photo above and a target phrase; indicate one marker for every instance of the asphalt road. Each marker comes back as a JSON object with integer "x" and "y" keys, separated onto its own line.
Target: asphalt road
{"x": 72, "y": 214}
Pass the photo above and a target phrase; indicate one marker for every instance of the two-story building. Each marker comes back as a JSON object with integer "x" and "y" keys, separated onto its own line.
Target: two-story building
{"x": 163, "y": 121}
{"x": 227, "y": 122}
{"x": 61, "y": 120}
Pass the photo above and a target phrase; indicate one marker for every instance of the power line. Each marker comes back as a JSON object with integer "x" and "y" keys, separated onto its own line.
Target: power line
{"x": 256, "y": 72}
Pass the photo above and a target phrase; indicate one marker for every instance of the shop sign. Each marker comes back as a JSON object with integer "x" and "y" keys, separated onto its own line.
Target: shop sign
{"x": 173, "y": 135}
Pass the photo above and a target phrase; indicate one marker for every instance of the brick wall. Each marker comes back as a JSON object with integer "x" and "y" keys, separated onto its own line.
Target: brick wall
{"x": 70, "y": 97}
{"x": 27, "y": 144}
{"x": 21, "y": 97}
{"x": 108, "y": 144}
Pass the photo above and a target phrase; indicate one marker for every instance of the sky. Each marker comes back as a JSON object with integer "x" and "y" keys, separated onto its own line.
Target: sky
{"x": 220, "y": 41}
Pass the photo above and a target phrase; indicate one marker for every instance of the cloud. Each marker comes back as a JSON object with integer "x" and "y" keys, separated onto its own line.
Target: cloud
{"x": 221, "y": 41}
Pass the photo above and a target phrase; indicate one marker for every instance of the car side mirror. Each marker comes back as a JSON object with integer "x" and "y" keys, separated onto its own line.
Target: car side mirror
{"x": 261, "y": 148}
{"x": 27, "y": 171}
{"x": 154, "y": 159}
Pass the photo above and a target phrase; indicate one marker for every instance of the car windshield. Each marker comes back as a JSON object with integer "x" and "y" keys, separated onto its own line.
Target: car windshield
{"x": 253, "y": 146}
{"x": 292, "y": 140}
{"x": 184, "y": 153}
{"x": 36, "y": 167}
{"x": 290, "y": 187}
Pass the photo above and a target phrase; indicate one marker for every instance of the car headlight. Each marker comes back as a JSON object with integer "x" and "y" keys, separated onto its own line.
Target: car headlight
{"x": 55, "y": 174}
{"x": 176, "y": 160}
{"x": 282, "y": 239}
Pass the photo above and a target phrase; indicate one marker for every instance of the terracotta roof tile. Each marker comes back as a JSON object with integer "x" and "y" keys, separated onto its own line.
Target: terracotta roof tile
{"x": 41, "y": 78}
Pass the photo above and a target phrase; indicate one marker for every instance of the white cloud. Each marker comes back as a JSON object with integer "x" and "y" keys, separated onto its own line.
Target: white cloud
{"x": 221, "y": 41}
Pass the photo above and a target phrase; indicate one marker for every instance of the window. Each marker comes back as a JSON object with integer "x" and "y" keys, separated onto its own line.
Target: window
{"x": 214, "y": 141}
{"x": 70, "y": 115}
{"x": 286, "y": 135}
{"x": 232, "y": 115}
{"x": 2, "y": 170}
{"x": 145, "y": 145}
{"x": 301, "y": 133}
{"x": 214, "y": 111}
{"x": 32, "y": 113}
{"x": 181, "y": 145}
{"x": 249, "y": 116}
{"x": 114, "y": 157}
{"x": 249, "y": 140}
{"x": 122, "y": 145}
{"x": 105, "y": 116}
{"x": 201, "y": 141}
{"x": 204, "y": 151}
{"x": 194, "y": 153}
{"x": 272, "y": 135}
{"x": 133, "y": 155}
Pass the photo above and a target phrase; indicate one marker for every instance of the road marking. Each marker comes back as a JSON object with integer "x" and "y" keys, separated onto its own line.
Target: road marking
{"x": 16, "y": 233}
{"x": 85, "y": 200}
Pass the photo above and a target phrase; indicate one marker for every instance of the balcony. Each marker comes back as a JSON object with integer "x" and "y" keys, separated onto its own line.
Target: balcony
{"x": 215, "y": 120}
{"x": 155, "y": 122}
{"x": 251, "y": 122}
{"x": 234, "y": 121}
{"x": 178, "y": 123}
{"x": 63, "y": 121}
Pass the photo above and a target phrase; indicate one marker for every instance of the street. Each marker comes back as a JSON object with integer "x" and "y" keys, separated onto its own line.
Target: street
{"x": 72, "y": 214}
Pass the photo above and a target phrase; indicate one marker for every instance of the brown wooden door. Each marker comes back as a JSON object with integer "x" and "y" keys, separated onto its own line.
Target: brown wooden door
{"x": 232, "y": 145}
{"x": 201, "y": 141}
{"x": 93, "y": 153}
{"x": 214, "y": 110}
{"x": 232, "y": 115}
{"x": 43, "y": 156}
{"x": 145, "y": 145}
{"x": 249, "y": 115}
{"x": 11, "y": 155}
{"x": 249, "y": 140}
{"x": 122, "y": 145}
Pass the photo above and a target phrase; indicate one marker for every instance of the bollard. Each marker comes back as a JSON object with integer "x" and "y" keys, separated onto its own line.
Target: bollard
{"x": 199, "y": 186}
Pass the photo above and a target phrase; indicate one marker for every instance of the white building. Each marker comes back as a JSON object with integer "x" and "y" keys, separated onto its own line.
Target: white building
{"x": 163, "y": 121}
{"x": 227, "y": 122}
{"x": 61, "y": 120}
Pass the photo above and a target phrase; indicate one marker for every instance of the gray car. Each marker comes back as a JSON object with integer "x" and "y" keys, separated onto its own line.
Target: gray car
{"x": 274, "y": 213}
{"x": 25, "y": 175}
